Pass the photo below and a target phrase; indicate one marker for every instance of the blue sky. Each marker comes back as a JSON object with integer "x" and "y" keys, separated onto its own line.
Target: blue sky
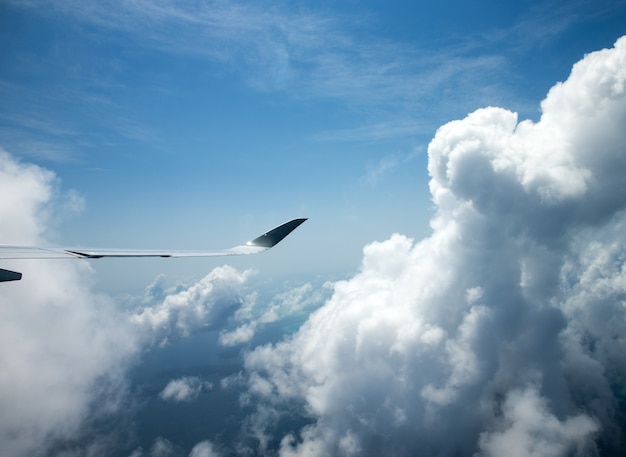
{"x": 195, "y": 124}
{"x": 459, "y": 286}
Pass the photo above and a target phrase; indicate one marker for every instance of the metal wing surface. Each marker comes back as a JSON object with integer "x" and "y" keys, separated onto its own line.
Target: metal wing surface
{"x": 255, "y": 246}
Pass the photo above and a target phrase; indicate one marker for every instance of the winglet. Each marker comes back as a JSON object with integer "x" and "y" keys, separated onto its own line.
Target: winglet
{"x": 8, "y": 275}
{"x": 275, "y": 236}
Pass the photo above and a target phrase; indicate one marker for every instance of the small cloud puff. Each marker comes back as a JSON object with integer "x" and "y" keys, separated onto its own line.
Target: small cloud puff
{"x": 184, "y": 389}
{"x": 204, "y": 449}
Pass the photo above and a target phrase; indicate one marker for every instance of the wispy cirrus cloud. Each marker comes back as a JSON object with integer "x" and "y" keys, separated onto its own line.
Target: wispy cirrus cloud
{"x": 278, "y": 47}
{"x": 387, "y": 164}
{"x": 307, "y": 54}
{"x": 373, "y": 132}
{"x": 61, "y": 122}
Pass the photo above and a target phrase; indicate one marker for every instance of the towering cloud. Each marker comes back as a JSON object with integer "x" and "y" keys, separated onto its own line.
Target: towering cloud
{"x": 503, "y": 330}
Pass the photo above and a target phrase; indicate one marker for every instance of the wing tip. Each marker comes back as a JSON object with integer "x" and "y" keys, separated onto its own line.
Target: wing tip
{"x": 276, "y": 235}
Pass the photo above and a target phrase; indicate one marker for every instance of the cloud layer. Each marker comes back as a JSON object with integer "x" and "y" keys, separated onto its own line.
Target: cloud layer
{"x": 505, "y": 329}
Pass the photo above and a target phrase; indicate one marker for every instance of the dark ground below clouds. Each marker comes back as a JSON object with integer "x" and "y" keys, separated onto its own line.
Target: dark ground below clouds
{"x": 216, "y": 414}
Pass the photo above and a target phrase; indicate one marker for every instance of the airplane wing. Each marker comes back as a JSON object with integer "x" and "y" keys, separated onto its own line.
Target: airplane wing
{"x": 255, "y": 246}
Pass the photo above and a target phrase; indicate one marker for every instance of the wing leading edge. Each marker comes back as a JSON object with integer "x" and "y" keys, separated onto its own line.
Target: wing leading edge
{"x": 255, "y": 246}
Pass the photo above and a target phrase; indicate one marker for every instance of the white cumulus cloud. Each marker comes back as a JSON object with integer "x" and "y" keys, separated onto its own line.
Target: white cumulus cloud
{"x": 531, "y": 430}
{"x": 207, "y": 303}
{"x": 62, "y": 347}
{"x": 241, "y": 334}
{"x": 503, "y": 330}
